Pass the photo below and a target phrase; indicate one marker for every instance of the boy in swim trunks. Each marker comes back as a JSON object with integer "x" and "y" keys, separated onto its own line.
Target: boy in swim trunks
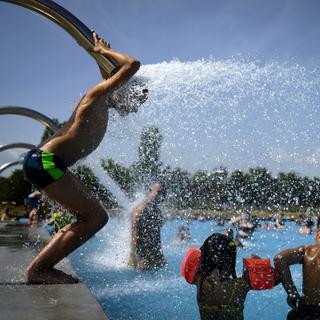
{"x": 47, "y": 166}
{"x": 306, "y": 307}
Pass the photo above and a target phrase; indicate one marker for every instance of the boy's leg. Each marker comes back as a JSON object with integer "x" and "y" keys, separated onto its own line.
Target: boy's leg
{"x": 71, "y": 193}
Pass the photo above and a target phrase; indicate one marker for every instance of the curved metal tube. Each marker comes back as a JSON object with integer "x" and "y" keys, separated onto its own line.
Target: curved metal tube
{"x": 21, "y": 111}
{"x": 17, "y": 145}
{"x": 13, "y": 146}
{"x": 66, "y": 20}
{"x": 10, "y": 164}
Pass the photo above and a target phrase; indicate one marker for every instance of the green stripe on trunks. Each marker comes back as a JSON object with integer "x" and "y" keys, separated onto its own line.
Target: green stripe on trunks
{"x": 50, "y": 166}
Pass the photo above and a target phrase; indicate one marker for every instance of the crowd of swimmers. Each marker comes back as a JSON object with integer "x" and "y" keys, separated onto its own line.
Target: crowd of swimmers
{"x": 221, "y": 294}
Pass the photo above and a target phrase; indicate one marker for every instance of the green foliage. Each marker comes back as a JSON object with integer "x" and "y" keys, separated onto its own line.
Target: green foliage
{"x": 94, "y": 185}
{"x": 256, "y": 188}
{"x": 148, "y": 167}
{"x": 61, "y": 219}
{"x": 120, "y": 174}
{"x": 14, "y": 188}
{"x": 178, "y": 183}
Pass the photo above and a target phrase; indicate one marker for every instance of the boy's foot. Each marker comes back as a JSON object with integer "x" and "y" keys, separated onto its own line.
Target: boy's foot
{"x": 50, "y": 276}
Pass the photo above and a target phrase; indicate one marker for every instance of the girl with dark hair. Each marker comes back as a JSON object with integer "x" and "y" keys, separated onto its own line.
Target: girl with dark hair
{"x": 220, "y": 294}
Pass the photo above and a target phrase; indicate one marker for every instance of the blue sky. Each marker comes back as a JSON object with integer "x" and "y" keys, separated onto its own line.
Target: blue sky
{"x": 44, "y": 69}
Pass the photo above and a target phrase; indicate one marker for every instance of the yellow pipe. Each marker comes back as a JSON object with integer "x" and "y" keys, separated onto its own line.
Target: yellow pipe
{"x": 79, "y": 31}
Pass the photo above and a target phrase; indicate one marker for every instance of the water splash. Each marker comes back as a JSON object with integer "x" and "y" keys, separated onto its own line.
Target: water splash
{"x": 94, "y": 163}
{"x": 234, "y": 113}
{"x": 115, "y": 244}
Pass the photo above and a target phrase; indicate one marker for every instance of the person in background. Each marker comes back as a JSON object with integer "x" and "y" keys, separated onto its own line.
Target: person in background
{"x": 34, "y": 203}
{"x": 147, "y": 220}
{"x": 244, "y": 224}
{"x": 278, "y": 221}
{"x": 183, "y": 234}
{"x": 34, "y": 200}
{"x": 307, "y": 226}
{"x": 307, "y": 305}
{"x": 6, "y": 215}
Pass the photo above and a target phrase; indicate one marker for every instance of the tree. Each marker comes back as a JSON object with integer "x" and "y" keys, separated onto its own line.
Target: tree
{"x": 238, "y": 193}
{"x": 94, "y": 185}
{"x": 148, "y": 167}
{"x": 260, "y": 187}
{"x": 120, "y": 174}
{"x": 179, "y": 189}
{"x": 289, "y": 189}
{"x": 14, "y": 188}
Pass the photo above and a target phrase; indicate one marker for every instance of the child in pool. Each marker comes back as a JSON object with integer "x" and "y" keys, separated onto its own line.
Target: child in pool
{"x": 220, "y": 294}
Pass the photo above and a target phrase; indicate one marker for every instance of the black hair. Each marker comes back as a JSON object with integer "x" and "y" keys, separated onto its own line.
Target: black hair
{"x": 133, "y": 93}
{"x": 218, "y": 252}
{"x": 309, "y": 223}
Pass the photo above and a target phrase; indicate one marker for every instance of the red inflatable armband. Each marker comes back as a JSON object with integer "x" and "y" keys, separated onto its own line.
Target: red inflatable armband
{"x": 261, "y": 273}
{"x": 190, "y": 264}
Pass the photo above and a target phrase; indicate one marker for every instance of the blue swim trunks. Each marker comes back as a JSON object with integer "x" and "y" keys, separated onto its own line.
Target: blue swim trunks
{"x": 41, "y": 168}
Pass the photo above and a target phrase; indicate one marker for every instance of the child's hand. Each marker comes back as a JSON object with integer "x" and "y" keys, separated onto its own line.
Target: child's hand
{"x": 100, "y": 44}
{"x": 294, "y": 301}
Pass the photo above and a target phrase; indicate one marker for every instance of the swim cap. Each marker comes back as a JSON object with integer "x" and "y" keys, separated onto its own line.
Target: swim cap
{"x": 190, "y": 264}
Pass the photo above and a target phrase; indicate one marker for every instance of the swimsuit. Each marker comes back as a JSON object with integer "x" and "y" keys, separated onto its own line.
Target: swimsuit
{"x": 148, "y": 227}
{"x": 305, "y": 312}
{"x": 228, "y": 308}
{"x": 41, "y": 168}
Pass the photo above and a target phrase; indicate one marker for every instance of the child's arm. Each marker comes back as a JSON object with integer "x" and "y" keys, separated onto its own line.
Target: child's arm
{"x": 282, "y": 262}
{"x": 128, "y": 67}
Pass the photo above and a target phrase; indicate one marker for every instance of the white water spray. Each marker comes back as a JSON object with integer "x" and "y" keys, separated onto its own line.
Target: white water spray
{"x": 232, "y": 113}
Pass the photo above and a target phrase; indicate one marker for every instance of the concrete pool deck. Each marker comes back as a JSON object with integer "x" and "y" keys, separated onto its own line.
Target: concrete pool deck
{"x": 19, "y": 243}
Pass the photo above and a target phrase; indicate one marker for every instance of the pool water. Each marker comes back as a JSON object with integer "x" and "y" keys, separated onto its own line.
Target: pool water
{"x": 125, "y": 293}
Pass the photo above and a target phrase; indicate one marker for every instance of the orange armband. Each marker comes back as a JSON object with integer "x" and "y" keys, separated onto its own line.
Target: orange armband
{"x": 190, "y": 264}
{"x": 261, "y": 273}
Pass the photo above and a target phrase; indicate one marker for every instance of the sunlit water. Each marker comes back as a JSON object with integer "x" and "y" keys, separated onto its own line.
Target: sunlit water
{"x": 128, "y": 294}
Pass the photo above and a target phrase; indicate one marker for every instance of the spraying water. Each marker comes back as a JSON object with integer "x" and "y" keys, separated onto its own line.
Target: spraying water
{"x": 233, "y": 113}
{"x": 94, "y": 163}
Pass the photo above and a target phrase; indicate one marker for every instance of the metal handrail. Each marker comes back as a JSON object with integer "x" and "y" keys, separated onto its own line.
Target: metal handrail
{"x": 26, "y": 112}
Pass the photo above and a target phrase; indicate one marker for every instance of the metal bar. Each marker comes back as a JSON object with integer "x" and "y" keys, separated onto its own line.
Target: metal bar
{"x": 17, "y": 145}
{"x": 10, "y": 164}
{"x": 21, "y": 111}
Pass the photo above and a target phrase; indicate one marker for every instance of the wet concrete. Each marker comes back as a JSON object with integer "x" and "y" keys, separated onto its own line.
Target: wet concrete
{"x": 19, "y": 243}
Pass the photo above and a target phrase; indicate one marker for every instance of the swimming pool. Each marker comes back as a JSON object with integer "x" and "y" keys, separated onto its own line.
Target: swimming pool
{"x": 128, "y": 294}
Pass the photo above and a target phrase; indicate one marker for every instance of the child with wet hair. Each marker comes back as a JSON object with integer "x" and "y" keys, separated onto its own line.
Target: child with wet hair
{"x": 220, "y": 294}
